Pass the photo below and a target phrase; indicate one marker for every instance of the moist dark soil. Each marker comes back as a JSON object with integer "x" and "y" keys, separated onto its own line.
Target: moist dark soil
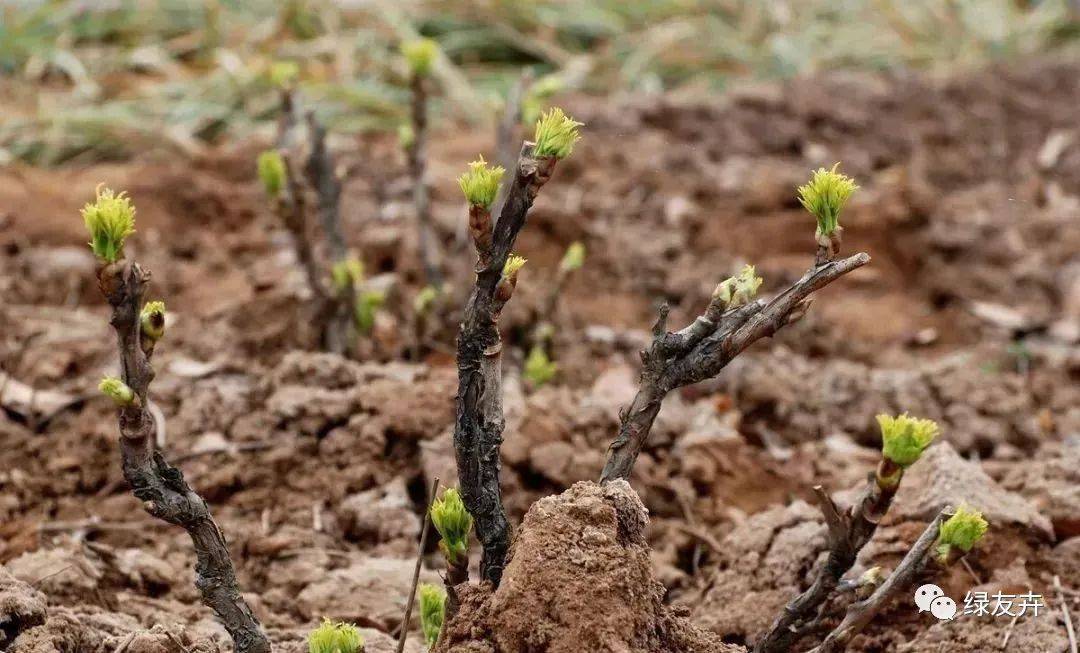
{"x": 317, "y": 466}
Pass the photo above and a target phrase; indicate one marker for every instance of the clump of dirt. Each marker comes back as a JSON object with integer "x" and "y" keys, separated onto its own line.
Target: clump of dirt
{"x": 578, "y": 579}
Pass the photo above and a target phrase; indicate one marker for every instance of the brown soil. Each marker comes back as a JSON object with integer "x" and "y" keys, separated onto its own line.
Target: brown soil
{"x": 316, "y": 466}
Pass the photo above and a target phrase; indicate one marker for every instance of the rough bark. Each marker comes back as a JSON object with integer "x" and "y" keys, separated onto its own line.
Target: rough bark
{"x": 159, "y": 486}
{"x": 702, "y": 349}
{"x": 479, "y": 423}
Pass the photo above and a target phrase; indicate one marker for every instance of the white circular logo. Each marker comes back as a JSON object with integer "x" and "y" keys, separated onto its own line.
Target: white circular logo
{"x": 926, "y": 594}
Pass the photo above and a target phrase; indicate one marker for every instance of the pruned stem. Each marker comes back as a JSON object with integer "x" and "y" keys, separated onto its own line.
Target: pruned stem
{"x": 848, "y": 533}
{"x": 417, "y": 155}
{"x": 701, "y": 350}
{"x": 861, "y": 613}
{"x": 479, "y": 422}
{"x": 159, "y": 486}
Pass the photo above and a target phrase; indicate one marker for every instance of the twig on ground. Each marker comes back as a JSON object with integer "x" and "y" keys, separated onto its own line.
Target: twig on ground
{"x": 862, "y": 612}
{"x": 419, "y": 566}
{"x": 1065, "y": 616}
{"x": 1009, "y": 631}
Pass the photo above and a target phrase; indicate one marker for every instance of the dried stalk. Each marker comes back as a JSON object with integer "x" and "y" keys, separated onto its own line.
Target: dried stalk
{"x": 862, "y": 612}
{"x": 701, "y": 350}
{"x": 416, "y": 570}
{"x": 849, "y": 531}
{"x": 479, "y": 423}
{"x": 417, "y": 156}
{"x": 159, "y": 486}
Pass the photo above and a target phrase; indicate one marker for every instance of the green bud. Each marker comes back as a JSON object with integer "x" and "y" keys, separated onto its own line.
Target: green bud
{"x": 825, "y": 195}
{"x": 739, "y": 289}
{"x": 539, "y": 369}
{"x": 284, "y": 73}
{"x": 152, "y": 319}
{"x": 432, "y": 611}
{"x": 271, "y": 167}
{"x": 481, "y": 183}
{"x": 963, "y": 530}
{"x": 453, "y": 522}
{"x": 425, "y": 299}
{"x": 541, "y": 91}
{"x": 368, "y": 304}
{"x": 110, "y": 219}
{"x": 574, "y": 257}
{"x": 117, "y": 390}
{"x": 556, "y": 134}
{"x": 513, "y": 265}
{"x": 420, "y": 55}
{"x": 406, "y": 135}
{"x": 904, "y": 438}
{"x": 332, "y": 637}
{"x": 347, "y": 274}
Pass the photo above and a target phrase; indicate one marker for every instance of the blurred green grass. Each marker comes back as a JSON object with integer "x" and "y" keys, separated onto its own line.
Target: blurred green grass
{"x": 104, "y": 79}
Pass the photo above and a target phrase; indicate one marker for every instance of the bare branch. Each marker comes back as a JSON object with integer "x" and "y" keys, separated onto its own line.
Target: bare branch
{"x": 479, "y": 423}
{"x": 159, "y": 486}
{"x": 322, "y": 176}
{"x": 417, "y": 156}
{"x": 862, "y": 612}
{"x": 702, "y": 349}
{"x": 509, "y": 123}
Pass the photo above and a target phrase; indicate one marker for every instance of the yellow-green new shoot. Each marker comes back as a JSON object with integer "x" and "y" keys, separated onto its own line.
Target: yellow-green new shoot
{"x": 284, "y": 73}
{"x": 904, "y": 438}
{"x": 739, "y": 289}
{"x": 480, "y": 183}
{"x": 963, "y": 530}
{"x": 541, "y": 91}
{"x": 420, "y": 55}
{"x": 368, "y": 304}
{"x": 825, "y": 195}
{"x": 272, "y": 172}
{"x": 347, "y": 274}
{"x": 574, "y": 257}
{"x": 110, "y": 219}
{"x": 453, "y": 522}
{"x": 432, "y": 611}
{"x": 332, "y": 637}
{"x": 406, "y": 135}
{"x": 152, "y": 319}
{"x": 556, "y": 134}
{"x": 117, "y": 390}
{"x": 425, "y": 299}
{"x": 513, "y": 265}
{"x": 539, "y": 369}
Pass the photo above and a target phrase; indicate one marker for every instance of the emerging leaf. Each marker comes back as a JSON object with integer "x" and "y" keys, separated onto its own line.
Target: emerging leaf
{"x": 284, "y": 73}
{"x": 425, "y": 299}
{"x": 539, "y": 369}
{"x": 110, "y": 219}
{"x": 541, "y": 91}
{"x": 432, "y": 611}
{"x": 481, "y": 183}
{"x": 152, "y": 319}
{"x": 117, "y": 390}
{"x": 574, "y": 257}
{"x": 406, "y": 135}
{"x": 739, "y": 289}
{"x": 514, "y": 263}
{"x": 556, "y": 134}
{"x": 453, "y": 522}
{"x": 272, "y": 172}
{"x": 904, "y": 438}
{"x": 420, "y": 55}
{"x": 332, "y": 637}
{"x": 368, "y": 304}
{"x": 825, "y": 195}
{"x": 347, "y": 273}
{"x": 963, "y": 530}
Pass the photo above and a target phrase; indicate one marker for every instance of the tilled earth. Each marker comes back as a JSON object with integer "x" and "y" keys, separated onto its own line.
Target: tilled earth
{"x": 316, "y": 467}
